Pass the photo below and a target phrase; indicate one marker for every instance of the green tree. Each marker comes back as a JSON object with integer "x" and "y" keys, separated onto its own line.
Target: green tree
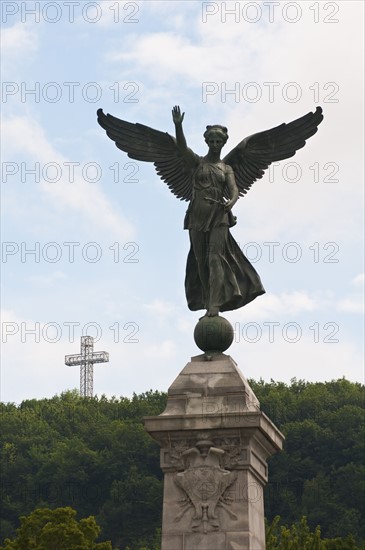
{"x": 133, "y": 510}
{"x": 300, "y": 537}
{"x": 94, "y": 455}
{"x": 320, "y": 472}
{"x": 57, "y": 529}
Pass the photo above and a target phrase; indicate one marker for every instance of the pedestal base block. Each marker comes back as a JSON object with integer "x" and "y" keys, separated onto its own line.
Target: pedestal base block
{"x": 214, "y": 445}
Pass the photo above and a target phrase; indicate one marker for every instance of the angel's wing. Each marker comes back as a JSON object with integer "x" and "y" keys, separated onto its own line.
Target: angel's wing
{"x": 255, "y": 153}
{"x": 143, "y": 143}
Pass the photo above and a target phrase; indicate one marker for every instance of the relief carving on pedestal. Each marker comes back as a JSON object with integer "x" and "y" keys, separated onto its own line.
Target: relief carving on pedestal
{"x": 204, "y": 482}
{"x": 235, "y": 453}
{"x": 176, "y": 453}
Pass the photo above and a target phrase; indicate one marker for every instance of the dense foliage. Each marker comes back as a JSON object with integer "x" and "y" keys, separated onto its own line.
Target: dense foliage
{"x": 95, "y": 456}
{"x": 320, "y": 473}
{"x": 300, "y": 537}
{"x": 58, "y": 529}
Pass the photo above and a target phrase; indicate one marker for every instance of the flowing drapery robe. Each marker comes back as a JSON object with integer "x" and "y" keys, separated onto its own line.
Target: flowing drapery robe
{"x": 238, "y": 282}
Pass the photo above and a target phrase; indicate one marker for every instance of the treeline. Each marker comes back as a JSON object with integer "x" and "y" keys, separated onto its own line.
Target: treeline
{"x": 320, "y": 473}
{"x": 95, "y": 456}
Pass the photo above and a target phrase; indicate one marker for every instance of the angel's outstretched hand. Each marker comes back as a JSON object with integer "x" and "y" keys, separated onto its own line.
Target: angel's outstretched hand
{"x": 177, "y": 117}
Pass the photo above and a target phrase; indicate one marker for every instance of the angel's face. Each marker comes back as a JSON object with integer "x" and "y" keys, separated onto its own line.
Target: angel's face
{"x": 215, "y": 142}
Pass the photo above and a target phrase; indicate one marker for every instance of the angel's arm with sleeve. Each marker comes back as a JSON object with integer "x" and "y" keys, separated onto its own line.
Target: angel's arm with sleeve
{"x": 232, "y": 188}
{"x": 187, "y": 154}
{"x": 173, "y": 163}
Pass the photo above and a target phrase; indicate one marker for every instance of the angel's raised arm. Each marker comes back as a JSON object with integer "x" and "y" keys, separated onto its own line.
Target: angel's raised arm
{"x": 187, "y": 154}
{"x": 141, "y": 142}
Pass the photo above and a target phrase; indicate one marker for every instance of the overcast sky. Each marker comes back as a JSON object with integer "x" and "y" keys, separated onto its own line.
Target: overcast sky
{"x": 93, "y": 243}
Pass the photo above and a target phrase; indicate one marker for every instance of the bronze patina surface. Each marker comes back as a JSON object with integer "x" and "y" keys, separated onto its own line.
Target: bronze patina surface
{"x": 218, "y": 275}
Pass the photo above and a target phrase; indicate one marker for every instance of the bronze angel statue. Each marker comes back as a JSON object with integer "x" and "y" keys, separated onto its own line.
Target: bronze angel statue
{"x": 218, "y": 275}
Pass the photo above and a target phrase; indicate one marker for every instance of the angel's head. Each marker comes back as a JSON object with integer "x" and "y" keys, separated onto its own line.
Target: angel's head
{"x": 216, "y": 136}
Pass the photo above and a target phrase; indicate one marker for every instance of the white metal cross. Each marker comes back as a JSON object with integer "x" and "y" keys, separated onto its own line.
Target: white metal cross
{"x": 86, "y": 360}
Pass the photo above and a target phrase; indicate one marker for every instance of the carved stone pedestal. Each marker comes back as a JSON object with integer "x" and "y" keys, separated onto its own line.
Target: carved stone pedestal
{"x": 214, "y": 444}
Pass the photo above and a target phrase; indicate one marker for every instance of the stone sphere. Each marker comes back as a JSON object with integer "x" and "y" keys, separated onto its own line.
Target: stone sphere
{"x": 213, "y": 334}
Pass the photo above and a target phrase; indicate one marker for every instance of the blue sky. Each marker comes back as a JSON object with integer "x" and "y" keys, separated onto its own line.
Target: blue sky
{"x": 108, "y": 237}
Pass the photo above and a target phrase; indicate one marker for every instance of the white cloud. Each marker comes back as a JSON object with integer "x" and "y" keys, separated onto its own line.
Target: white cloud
{"x": 305, "y": 359}
{"x": 49, "y": 280}
{"x": 160, "y": 308}
{"x": 232, "y": 54}
{"x": 18, "y": 41}
{"x": 25, "y": 136}
{"x": 169, "y": 53}
{"x": 355, "y": 302}
{"x": 359, "y": 280}
{"x": 31, "y": 366}
{"x": 272, "y": 306}
{"x": 166, "y": 349}
{"x": 351, "y": 305}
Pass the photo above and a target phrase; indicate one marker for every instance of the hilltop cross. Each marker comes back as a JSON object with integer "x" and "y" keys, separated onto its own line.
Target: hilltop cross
{"x": 86, "y": 360}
